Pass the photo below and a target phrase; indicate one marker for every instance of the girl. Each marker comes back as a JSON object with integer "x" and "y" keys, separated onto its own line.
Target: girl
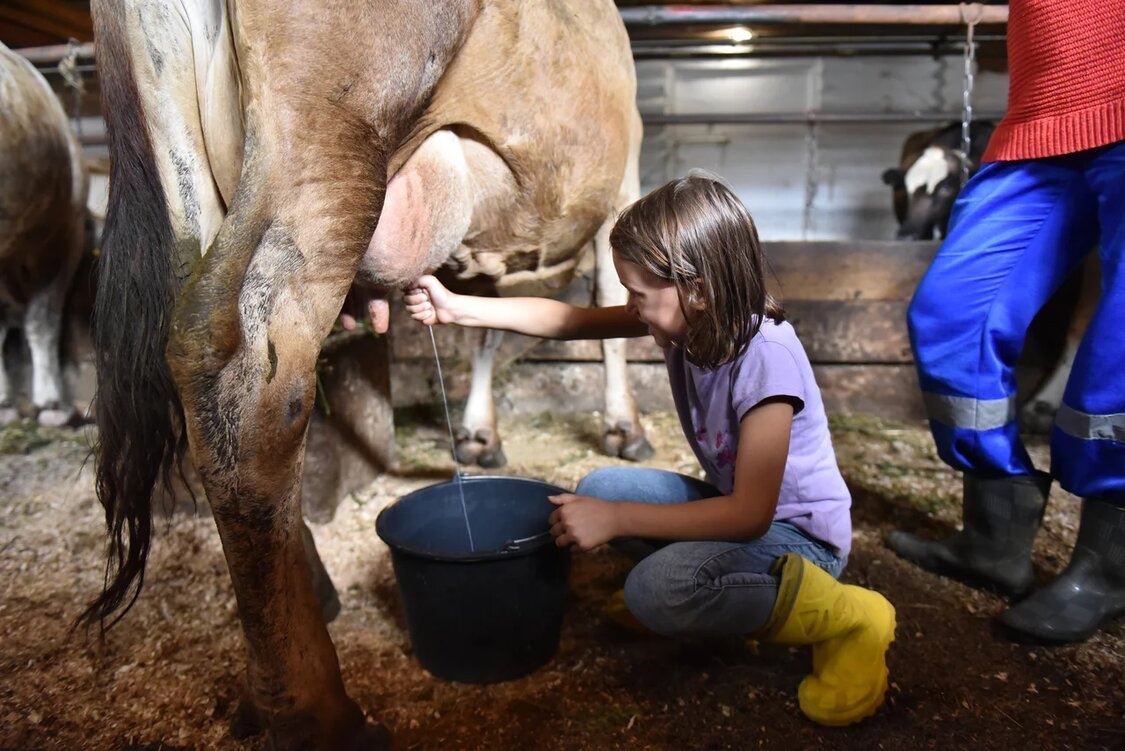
{"x": 756, "y": 549}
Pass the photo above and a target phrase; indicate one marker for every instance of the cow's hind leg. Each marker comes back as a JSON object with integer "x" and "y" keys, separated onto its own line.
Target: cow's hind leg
{"x": 1038, "y": 414}
{"x": 246, "y": 336}
{"x": 323, "y": 587}
{"x": 478, "y": 437}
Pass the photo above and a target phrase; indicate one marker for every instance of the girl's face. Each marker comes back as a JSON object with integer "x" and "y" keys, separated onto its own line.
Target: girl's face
{"x": 653, "y": 300}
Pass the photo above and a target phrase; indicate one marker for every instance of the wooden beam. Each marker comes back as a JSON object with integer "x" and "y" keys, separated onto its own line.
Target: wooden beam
{"x": 848, "y": 270}
{"x": 768, "y": 15}
{"x": 889, "y": 391}
{"x": 56, "y": 19}
{"x": 53, "y": 53}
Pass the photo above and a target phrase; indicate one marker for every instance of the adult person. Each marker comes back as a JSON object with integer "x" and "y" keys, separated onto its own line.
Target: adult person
{"x": 1052, "y": 188}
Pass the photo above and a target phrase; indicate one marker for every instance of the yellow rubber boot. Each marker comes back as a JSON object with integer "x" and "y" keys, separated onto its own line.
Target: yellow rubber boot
{"x": 849, "y": 628}
{"x": 618, "y": 613}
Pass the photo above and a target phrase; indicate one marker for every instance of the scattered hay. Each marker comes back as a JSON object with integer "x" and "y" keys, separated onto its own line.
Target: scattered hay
{"x": 168, "y": 675}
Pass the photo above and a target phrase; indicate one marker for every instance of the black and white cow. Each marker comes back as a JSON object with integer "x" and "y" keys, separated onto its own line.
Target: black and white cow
{"x": 929, "y": 177}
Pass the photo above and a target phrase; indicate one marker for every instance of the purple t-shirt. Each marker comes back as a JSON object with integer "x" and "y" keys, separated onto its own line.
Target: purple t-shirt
{"x": 712, "y": 403}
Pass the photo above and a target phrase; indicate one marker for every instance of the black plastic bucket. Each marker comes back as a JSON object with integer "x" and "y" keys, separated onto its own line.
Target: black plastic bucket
{"x": 487, "y": 615}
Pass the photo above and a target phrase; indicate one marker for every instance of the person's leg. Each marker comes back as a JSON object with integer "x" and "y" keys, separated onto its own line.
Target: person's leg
{"x": 1088, "y": 446}
{"x": 780, "y": 588}
{"x": 717, "y": 588}
{"x": 1088, "y": 438}
{"x": 849, "y": 628}
{"x": 644, "y": 485}
{"x": 1018, "y": 230}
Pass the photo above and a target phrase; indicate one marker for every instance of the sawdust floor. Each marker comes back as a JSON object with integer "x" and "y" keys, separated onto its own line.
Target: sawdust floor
{"x": 167, "y": 676}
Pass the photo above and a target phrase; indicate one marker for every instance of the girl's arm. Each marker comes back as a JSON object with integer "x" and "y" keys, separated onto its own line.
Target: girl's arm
{"x": 746, "y": 514}
{"x": 430, "y": 302}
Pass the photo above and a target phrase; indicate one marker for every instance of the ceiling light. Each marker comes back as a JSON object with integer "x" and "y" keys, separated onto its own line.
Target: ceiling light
{"x": 739, "y": 34}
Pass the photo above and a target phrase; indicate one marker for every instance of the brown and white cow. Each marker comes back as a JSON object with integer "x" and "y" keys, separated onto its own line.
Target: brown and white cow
{"x": 42, "y": 229}
{"x": 266, "y": 153}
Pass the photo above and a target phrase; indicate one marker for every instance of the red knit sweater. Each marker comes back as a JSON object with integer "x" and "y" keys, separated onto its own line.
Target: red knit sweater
{"x": 1066, "y": 60}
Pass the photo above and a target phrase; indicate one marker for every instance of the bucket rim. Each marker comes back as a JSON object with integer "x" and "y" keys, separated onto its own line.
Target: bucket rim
{"x": 475, "y": 557}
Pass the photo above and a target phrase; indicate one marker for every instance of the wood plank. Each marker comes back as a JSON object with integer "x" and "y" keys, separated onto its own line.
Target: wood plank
{"x": 532, "y": 387}
{"x": 832, "y": 331}
{"x": 889, "y": 391}
{"x": 54, "y": 19}
{"x": 841, "y": 331}
{"x": 867, "y": 270}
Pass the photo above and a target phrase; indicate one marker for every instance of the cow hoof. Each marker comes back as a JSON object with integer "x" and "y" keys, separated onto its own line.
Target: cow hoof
{"x": 247, "y": 721}
{"x": 353, "y": 733}
{"x": 50, "y": 417}
{"x": 492, "y": 458}
{"x": 465, "y": 449}
{"x": 329, "y": 600}
{"x": 482, "y": 448}
{"x": 638, "y": 449}
{"x": 623, "y": 441}
{"x": 1037, "y": 417}
{"x": 373, "y": 737}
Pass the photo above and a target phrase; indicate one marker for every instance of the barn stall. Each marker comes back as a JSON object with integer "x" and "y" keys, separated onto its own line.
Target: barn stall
{"x": 801, "y": 117}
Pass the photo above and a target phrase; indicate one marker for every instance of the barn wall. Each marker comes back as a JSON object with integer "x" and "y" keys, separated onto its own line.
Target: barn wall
{"x": 769, "y": 165}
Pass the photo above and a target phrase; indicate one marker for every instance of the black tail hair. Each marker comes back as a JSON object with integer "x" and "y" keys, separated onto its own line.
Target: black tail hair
{"x": 139, "y": 417}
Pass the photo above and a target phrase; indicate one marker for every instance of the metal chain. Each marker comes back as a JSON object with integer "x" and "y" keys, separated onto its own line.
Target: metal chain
{"x": 970, "y": 59}
{"x": 812, "y": 149}
{"x": 812, "y": 152}
{"x": 72, "y": 75}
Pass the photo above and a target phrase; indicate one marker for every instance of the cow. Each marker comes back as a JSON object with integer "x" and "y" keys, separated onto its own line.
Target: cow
{"x": 42, "y": 230}
{"x": 266, "y": 154}
{"x": 929, "y": 177}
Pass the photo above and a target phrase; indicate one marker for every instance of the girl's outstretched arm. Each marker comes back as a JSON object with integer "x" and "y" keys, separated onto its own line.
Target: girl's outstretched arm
{"x": 429, "y": 302}
{"x": 763, "y": 446}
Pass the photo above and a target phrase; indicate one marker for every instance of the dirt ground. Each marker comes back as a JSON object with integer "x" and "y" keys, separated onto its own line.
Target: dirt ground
{"x": 167, "y": 676}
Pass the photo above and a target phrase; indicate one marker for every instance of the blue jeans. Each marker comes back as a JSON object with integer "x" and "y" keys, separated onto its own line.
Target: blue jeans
{"x": 700, "y": 588}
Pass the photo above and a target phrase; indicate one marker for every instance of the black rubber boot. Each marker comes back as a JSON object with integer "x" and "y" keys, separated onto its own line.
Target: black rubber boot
{"x": 1088, "y": 594}
{"x": 993, "y": 549}
{"x": 322, "y": 583}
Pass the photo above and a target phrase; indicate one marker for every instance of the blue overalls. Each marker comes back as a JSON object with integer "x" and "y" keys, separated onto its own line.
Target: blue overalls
{"x": 1017, "y": 231}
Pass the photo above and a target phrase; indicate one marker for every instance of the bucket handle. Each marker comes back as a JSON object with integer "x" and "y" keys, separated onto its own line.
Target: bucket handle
{"x": 511, "y": 546}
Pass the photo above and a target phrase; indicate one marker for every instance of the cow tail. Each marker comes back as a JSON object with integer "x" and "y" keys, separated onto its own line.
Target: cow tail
{"x": 139, "y": 416}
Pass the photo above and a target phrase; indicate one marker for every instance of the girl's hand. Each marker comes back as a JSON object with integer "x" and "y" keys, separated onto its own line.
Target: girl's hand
{"x": 428, "y": 301}
{"x": 582, "y": 522}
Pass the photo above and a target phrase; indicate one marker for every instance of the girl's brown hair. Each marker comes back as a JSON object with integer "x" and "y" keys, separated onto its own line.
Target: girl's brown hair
{"x": 694, "y": 232}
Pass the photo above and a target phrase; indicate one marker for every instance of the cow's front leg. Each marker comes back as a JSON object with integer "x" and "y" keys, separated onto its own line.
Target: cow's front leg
{"x": 478, "y": 437}
{"x": 245, "y": 340}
